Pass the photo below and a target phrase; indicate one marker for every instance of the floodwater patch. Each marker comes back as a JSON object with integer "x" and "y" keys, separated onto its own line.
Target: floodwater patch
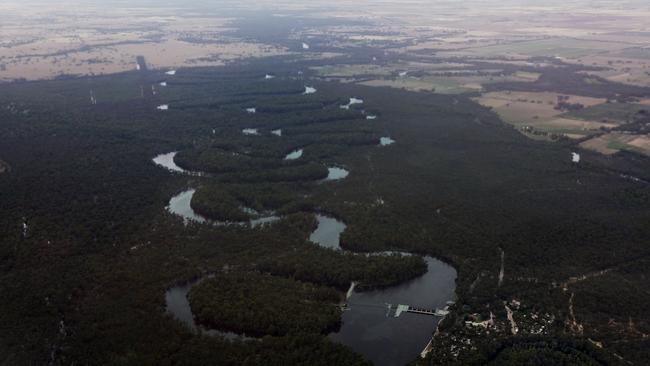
{"x": 328, "y": 232}
{"x": 250, "y": 131}
{"x": 352, "y": 102}
{"x": 296, "y": 154}
{"x": 167, "y": 161}
{"x": 309, "y": 90}
{"x": 385, "y": 141}
{"x": 575, "y": 157}
{"x": 336, "y": 173}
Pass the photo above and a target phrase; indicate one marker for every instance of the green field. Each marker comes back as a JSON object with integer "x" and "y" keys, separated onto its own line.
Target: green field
{"x": 608, "y": 112}
{"x": 636, "y": 52}
{"x": 560, "y": 47}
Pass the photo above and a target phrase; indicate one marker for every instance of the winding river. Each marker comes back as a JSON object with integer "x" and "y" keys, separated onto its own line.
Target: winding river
{"x": 368, "y": 327}
{"x": 181, "y": 205}
{"x": 167, "y": 161}
{"x": 371, "y": 330}
{"x": 296, "y": 154}
{"x": 178, "y": 305}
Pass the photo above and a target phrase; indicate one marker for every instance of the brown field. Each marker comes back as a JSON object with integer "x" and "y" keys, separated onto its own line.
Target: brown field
{"x": 537, "y": 110}
{"x": 612, "y": 143}
{"x": 99, "y": 43}
{"x": 620, "y": 69}
{"x": 111, "y": 38}
{"x": 107, "y": 60}
{"x": 530, "y": 107}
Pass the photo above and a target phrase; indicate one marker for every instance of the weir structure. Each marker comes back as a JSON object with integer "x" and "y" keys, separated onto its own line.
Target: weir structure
{"x": 397, "y": 310}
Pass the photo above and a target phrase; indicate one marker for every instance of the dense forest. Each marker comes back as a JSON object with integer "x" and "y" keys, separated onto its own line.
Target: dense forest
{"x": 88, "y": 248}
{"x": 257, "y": 304}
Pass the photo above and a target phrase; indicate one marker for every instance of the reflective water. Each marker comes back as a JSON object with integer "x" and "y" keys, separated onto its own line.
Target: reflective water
{"x": 296, "y": 154}
{"x": 368, "y": 325}
{"x": 385, "y": 141}
{"x": 250, "y": 131}
{"x": 181, "y": 205}
{"x": 309, "y": 90}
{"x": 575, "y": 157}
{"x": 167, "y": 161}
{"x": 370, "y": 329}
{"x": 352, "y": 102}
{"x": 178, "y": 305}
{"x": 336, "y": 173}
{"x": 328, "y": 232}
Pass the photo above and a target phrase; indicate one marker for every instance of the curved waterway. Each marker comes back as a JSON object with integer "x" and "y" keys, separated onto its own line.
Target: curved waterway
{"x": 167, "y": 161}
{"x": 296, "y": 154}
{"x": 370, "y": 328}
{"x": 178, "y": 305}
{"x": 369, "y": 325}
{"x": 181, "y": 205}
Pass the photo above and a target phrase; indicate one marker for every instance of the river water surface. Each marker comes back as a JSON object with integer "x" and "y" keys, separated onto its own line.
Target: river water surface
{"x": 370, "y": 328}
{"x": 368, "y": 325}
